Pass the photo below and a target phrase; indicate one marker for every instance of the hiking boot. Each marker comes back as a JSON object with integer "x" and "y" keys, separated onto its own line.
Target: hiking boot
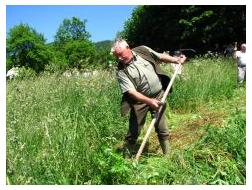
{"x": 129, "y": 150}
{"x": 164, "y": 146}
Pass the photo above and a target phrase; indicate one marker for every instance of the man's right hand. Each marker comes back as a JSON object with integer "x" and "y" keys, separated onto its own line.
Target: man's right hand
{"x": 155, "y": 104}
{"x": 182, "y": 58}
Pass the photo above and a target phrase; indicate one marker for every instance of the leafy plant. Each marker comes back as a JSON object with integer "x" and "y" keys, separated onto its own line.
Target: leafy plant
{"x": 26, "y": 48}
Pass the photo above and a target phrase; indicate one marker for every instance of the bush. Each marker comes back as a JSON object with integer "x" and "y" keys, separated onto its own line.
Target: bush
{"x": 58, "y": 63}
{"x": 25, "y": 73}
{"x": 80, "y": 54}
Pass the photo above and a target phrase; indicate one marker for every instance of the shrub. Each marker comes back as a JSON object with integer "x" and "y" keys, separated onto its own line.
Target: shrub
{"x": 25, "y": 73}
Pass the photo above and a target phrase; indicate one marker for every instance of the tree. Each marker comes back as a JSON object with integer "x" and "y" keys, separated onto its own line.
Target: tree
{"x": 175, "y": 27}
{"x": 73, "y": 29}
{"x": 72, "y": 40}
{"x": 26, "y": 47}
{"x": 58, "y": 62}
{"x": 103, "y": 56}
{"x": 207, "y": 26}
{"x": 154, "y": 26}
{"x": 79, "y": 53}
{"x": 104, "y": 45}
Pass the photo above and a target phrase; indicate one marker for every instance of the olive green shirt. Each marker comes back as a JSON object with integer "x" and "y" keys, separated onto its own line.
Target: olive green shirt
{"x": 143, "y": 77}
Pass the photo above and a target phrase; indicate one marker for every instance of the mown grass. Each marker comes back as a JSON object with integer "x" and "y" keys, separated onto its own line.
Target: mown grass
{"x": 64, "y": 131}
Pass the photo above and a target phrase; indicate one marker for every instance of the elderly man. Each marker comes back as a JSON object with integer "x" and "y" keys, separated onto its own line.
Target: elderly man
{"x": 241, "y": 58}
{"x": 142, "y": 83}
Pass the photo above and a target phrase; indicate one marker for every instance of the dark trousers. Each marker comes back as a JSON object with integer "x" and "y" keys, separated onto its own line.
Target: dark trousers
{"x": 137, "y": 120}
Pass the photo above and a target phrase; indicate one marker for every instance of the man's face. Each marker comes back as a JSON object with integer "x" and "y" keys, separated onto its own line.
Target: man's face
{"x": 243, "y": 47}
{"x": 124, "y": 55}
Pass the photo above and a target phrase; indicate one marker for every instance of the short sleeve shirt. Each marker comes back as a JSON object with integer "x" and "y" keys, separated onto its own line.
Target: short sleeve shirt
{"x": 140, "y": 76}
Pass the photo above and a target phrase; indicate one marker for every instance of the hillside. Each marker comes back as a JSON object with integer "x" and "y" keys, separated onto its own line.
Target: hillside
{"x": 103, "y": 45}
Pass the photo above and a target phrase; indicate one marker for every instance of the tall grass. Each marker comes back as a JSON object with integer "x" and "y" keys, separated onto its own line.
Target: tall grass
{"x": 219, "y": 157}
{"x": 56, "y": 126}
{"x": 63, "y": 131}
{"x": 203, "y": 79}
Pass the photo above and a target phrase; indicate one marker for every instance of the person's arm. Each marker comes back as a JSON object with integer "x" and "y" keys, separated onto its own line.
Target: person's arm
{"x": 165, "y": 57}
{"x": 235, "y": 51}
{"x": 170, "y": 59}
{"x": 152, "y": 102}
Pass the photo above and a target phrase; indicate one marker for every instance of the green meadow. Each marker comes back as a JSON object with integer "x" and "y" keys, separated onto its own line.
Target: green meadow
{"x": 66, "y": 130}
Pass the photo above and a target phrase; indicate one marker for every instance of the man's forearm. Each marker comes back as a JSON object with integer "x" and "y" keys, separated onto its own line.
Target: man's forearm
{"x": 139, "y": 97}
{"x": 152, "y": 102}
{"x": 170, "y": 59}
{"x": 167, "y": 58}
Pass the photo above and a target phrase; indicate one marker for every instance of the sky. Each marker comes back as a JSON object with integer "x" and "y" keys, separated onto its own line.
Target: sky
{"x": 103, "y": 21}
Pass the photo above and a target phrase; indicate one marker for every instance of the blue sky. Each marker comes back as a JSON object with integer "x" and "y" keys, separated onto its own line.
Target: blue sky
{"x": 103, "y": 21}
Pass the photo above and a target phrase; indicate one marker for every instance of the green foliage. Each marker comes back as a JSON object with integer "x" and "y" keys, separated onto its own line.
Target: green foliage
{"x": 203, "y": 79}
{"x": 71, "y": 29}
{"x": 230, "y": 138}
{"x": 63, "y": 130}
{"x": 9, "y": 64}
{"x": 206, "y": 26}
{"x": 103, "y": 45}
{"x": 195, "y": 27}
{"x": 229, "y": 145}
{"x": 26, "y": 48}
{"x": 57, "y": 125}
{"x": 151, "y": 26}
{"x": 104, "y": 58}
{"x": 58, "y": 63}
{"x": 218, "y": 158}
{"x": 25, "y": 73}
{"x": 80, "y": 54}
{"x": 72, "y": 40}
{"x": 112, "y": 168}
{"x": 173, "y": 27}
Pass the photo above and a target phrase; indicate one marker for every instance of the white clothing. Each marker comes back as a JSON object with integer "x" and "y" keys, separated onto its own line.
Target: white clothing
{"x": 241, "y": 58}
{"x": 241, "y": 63}
{"x": 241, "y": 74}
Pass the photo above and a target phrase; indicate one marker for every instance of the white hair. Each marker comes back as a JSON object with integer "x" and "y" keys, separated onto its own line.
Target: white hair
{"x": 119, "y": 43}
{"x": 243, "y": 45}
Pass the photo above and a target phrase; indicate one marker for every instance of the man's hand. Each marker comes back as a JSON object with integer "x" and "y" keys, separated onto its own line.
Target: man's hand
{"x": 172, "y": 59}
{"x": 155, "y": 104}
{"x": 181, "y": 59}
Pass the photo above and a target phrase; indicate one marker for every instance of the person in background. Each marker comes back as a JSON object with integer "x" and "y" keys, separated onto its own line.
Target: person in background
{"x": 142, "y": 84}
{"x": 228, "y": 50}
{"x": 241, "y": 58}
